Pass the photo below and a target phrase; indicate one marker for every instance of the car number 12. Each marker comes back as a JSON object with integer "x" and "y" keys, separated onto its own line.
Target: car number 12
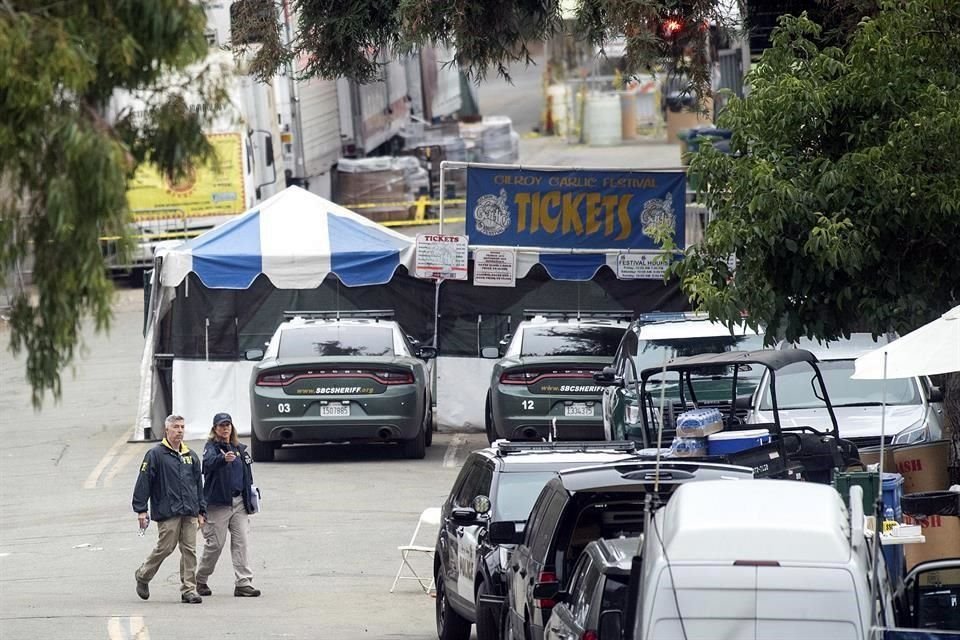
{"x": 528, "y": 405}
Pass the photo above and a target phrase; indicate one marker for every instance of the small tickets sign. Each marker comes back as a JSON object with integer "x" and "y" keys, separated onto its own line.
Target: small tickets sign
{"x": 441, "y": 257}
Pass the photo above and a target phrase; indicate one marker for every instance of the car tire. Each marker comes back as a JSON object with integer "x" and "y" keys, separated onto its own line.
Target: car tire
{"x": 416, "y": 447}
{"x": 260, "y": 450}
{"x": 488, "y": 627}
{"x": 428, "y": 425}
{"x": 450, "y": 624}
{"x": 488, "y": 422}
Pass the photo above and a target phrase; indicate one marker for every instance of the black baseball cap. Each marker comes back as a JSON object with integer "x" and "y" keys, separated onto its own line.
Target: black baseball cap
{"x": 222, "y": 417}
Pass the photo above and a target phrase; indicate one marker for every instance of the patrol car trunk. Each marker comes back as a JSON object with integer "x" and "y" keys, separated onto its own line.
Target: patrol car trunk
{"x": 347, "y": 376}
{"x": 567, "y": 378}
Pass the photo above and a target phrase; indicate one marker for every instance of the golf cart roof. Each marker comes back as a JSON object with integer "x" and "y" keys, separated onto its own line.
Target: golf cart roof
{"x": 769, "y": 358}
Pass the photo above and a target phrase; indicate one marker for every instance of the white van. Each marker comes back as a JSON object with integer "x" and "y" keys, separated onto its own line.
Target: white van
{"x": 763, "y": 560}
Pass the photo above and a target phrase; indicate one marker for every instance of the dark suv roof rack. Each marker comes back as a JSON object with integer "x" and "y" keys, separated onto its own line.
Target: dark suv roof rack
{"x": 607, "y": 314}
{"x": 375, "y": 314}
{"x": 573, "y": 446}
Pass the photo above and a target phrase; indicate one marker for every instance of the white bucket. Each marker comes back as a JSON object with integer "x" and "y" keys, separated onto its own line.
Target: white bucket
{"x": 559, "y": 112}
{"x": 602, "y": 126}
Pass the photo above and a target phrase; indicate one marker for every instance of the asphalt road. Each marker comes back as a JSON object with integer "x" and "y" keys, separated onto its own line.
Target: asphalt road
{"x": 324, "y": 547}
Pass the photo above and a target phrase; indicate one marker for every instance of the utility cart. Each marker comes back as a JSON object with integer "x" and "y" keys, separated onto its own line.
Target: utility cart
{"x": 771, "y": 449}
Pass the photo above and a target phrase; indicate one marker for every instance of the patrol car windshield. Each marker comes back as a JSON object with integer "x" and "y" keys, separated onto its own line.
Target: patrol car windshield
{"x": 336, "y": 340}
{"x": 516, "y": 493}
{"x": 653, "y": 352}
{"x": 711, "y": 384}
{"x": 571, "y": 341}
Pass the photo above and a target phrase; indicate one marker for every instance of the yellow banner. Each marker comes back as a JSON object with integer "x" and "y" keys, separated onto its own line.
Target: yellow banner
{"x": 206, "y": 190}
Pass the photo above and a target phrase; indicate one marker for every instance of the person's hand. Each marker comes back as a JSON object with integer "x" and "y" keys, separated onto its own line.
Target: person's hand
{"x": 143, "y": 520}
{"x": 201, "y": 519}
{"x": 230, "y": 456}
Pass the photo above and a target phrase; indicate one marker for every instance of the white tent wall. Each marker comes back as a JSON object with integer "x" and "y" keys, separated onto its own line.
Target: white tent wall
{"x": 202, "y": 389}
{"x": 461, "y": 392}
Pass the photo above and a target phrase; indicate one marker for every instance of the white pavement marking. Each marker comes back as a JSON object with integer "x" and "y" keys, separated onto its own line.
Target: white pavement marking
{"x": 450, "y": 456}
{"x": 122, "y": 462}
{"x": 127, "y": 628}
{"x": 91, "y": 481}
{"x": 115, "y": 630}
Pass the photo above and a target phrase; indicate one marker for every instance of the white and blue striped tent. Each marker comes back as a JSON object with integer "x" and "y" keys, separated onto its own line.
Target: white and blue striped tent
{"x": 296, "y": 239}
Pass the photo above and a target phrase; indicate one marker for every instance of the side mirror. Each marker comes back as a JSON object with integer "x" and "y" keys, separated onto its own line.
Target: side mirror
{"x": 426, "y": 352}
{"x": 607, "y": 377}
{"x": 548, "y": 591}
{"x": 253, "y": 354}
{"x": 504, "y": 533}
{"x": 611, "y": 625}
{"x": 490, "y": 352}
{"x": 743, "y": 402}
{"x": 936, "y": 394}
{"x": 464, "y": 515}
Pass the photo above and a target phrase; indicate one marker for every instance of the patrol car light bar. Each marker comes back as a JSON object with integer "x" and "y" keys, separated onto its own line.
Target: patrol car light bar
{"x": 609, "y": 314}
{"x": 377, "y": 314}
{"x": 621, "y": 446}
{"x": 670, "y": 316}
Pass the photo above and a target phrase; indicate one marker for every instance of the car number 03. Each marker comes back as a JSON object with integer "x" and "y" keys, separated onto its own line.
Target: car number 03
{"x": 283, "y": 407}
{"x": 528, "y": 405}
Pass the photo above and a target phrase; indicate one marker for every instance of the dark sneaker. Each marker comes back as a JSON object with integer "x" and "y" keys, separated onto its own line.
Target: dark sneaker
{"x": 203, "y": 589}
{"x": 191, "y": 598}
{"x": 143, "y": 589}
{"x": 246, "y": 592}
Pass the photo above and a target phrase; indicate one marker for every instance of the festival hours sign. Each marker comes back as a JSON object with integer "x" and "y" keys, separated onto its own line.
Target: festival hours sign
{"x": 573, "y": 209}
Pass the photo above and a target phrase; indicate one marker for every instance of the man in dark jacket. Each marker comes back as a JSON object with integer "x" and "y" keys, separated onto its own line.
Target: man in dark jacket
{"x": 171, "y": 480}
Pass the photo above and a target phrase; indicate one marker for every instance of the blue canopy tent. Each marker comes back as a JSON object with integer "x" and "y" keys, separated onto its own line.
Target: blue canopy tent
{"x": 225, "y": 291}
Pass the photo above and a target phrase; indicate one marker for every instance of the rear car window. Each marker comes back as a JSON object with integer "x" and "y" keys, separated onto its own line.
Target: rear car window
{"x": 516, "y": 493}
{"x": 337, "y": 340}
{"x": 571, "y": 341}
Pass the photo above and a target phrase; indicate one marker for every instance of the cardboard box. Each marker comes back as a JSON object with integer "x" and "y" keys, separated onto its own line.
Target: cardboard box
{"x": 924, "y": 467}
{"x": 943, "y": 539}
{"x": 871, "y": 455}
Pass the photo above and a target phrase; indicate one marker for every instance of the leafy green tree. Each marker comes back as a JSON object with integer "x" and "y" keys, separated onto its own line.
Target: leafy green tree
{"x": 64, "y": 165}
{"x": 841, "y": 199}
{"x": 347, "y": 38}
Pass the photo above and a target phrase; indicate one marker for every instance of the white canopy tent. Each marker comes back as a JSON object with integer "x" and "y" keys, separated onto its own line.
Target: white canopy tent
{"x": 930, "y": 350}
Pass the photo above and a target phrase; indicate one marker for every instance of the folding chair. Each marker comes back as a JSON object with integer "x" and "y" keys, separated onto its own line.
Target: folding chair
{"x": 431, "y": 518}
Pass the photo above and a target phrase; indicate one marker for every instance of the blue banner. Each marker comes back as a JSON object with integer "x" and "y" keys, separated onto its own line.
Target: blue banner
{"x": 573, "y": 209}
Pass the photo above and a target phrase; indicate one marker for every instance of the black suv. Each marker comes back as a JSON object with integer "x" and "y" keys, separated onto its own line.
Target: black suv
{"x": 497, "y": 485}
{"x": 574, "y": 509}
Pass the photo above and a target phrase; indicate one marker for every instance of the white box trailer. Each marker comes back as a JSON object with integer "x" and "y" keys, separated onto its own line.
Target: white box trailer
{"x": 372, "y": 114}
{"x": 243, "y": 135}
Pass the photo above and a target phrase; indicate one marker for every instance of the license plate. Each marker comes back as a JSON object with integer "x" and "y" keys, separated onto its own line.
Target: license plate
{"x": 334, "y": 410}
{"x": 578, "y": 409}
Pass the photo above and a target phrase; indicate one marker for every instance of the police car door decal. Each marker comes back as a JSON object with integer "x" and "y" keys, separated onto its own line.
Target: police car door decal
{"x": 466, "y": 562}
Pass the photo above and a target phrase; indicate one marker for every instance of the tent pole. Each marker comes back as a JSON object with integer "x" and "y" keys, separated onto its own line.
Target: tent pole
{"x": 442, "y": 193}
